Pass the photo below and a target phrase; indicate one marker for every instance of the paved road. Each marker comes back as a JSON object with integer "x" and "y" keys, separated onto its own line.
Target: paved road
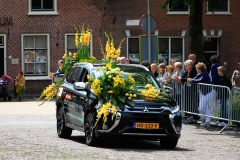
{"x": 28, "y": 131}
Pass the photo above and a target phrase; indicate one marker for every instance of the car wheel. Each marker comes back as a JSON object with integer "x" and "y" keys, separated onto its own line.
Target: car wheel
{"x": 168, "y": 143}
{"x": 90, "y": 136}
{"x": 62, "y": 130}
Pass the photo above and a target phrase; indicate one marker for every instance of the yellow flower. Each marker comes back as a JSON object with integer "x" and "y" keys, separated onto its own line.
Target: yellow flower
{"x": 64, "y": 56}
{"x": 109, "y": 65}
{"x": 126, "y": 94}
{"x": 130, "y": 98}
{"x": 76, "y": 39}
{"x": 88, "y": 77}
{"x": 114, "y": 108}
{"x": 110, "y": 91}
{"x": 70, "y": 54}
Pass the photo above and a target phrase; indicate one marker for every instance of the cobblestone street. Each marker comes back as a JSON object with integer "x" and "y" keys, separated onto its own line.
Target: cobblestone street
{"x": 28, "y": 131}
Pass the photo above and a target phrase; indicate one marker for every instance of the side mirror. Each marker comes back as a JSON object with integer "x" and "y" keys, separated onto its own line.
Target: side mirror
{"x": 81, "y": 86}
{"x": 167, "y": 89}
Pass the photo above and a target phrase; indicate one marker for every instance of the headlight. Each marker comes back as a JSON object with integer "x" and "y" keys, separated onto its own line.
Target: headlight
{"x": 175, "y": 109}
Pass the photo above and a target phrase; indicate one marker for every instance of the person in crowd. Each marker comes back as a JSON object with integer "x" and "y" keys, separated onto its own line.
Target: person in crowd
{"x": 20, "y": 84}
{"x": 194, "y": 59}
{"x": 154, "y": 69}
{"x": 121, "y": 60}
{"x": 236, "y": 79}
{"x": 215, "y": 78}
{"x": 178, "y": 73}
{"x": 118, "y": 60}
{"x": 172, "y": 62}
{"x": 170, "y": 71}
{"x": 58, "y": 71}
{"x": 204, "y": 95}
{"x": 223, "y": 94}
{"x": 161, "y": 72}
{"x": 146, "y": 64}
{"x": 191, "y": 98}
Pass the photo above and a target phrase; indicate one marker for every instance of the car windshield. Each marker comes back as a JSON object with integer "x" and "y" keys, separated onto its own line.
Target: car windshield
{"x": 142, "y": 78}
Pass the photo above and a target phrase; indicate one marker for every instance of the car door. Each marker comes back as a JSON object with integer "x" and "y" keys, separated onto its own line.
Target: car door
{"x": 70, "y": 96}
{"x": 66, "y": 92}
{"x": 81, "y": 98}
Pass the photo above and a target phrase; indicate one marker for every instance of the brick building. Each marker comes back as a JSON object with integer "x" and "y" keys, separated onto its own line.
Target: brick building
{"x": 34, "y": 34}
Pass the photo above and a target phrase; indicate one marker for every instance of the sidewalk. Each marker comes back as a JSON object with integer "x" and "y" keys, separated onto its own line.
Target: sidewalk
{"x": 27, "y": 107}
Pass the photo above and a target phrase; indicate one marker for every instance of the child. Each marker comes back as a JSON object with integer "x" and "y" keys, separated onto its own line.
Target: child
{"x": 20, "y": 84}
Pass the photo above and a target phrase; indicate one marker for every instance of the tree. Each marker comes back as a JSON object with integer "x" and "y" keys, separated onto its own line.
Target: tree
{"x": 195, "y": 23}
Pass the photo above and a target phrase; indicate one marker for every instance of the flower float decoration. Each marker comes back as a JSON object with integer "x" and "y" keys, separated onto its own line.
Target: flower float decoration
{"x": 82, "y": 42}
{"x": 113, "y": 87}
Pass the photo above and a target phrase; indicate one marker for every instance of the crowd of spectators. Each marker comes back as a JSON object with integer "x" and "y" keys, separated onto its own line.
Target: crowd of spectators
{"x": 196, "y": 72}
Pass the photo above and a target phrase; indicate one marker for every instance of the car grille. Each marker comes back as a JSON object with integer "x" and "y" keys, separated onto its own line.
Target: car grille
{"x": 145, "y": 108}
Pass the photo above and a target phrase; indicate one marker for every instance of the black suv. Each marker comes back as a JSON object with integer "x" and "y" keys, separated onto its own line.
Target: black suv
{"x": 76, "y": 109}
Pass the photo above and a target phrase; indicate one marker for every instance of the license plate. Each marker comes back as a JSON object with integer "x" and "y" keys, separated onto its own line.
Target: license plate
{"x": 146, "y": 125}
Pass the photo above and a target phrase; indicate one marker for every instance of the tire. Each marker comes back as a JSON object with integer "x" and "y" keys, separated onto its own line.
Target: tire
{"x": 62, "y": 130}
{"x": 90, "y": 137}
{"x": 168, "y": 143}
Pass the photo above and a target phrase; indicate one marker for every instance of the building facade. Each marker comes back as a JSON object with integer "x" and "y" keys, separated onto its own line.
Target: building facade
{"x": 34, "y": 34}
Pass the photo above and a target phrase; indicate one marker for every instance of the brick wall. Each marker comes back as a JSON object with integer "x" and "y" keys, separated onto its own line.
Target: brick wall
{"x": 100, "y": 14}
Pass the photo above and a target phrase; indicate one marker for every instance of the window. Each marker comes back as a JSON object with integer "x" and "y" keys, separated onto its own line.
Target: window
{"x": 42, "y": 7}
{"x": 76, "y": 75}
{"x": 175, "y": 52}
{"x": 220, "y": 7}
{"x": 179, "y": 8}
{"x": 70, "y": 44}
{"x": 35, "y": 57}
{"x": 133, "y": 50}
{"x": 211, "y": 47}
{"x": 1, "y": 41}
{"x": 69, "y": 76}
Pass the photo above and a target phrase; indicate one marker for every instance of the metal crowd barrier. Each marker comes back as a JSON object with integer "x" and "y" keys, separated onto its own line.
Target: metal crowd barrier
{"x": 236, "y": 105}
{"x": 207, "y": 101}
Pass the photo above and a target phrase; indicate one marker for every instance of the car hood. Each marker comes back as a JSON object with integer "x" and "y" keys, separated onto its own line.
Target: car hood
{"x": 151, "y": 106}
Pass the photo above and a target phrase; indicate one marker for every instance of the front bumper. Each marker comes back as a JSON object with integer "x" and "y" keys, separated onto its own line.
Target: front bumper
{"x": 169, "y": 125}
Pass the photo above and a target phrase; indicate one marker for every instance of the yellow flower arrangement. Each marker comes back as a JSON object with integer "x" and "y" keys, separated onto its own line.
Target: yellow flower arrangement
{"x": 113, "y": 88}
{"x": 154, "y": 94}
{"x": 82, "y": 42}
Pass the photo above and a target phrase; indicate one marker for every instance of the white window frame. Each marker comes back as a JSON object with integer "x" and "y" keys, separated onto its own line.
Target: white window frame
{"x": 30, "y": 12}
{"x": 129, "y": 37}
{"x": 45, "y": 77}
{"x": 178, "y": 12}
{"x": 219, "y": 13}
{"x": 73, "y": 34}
{"x": 218, "y": 38}
{"x": 169, "y": 46}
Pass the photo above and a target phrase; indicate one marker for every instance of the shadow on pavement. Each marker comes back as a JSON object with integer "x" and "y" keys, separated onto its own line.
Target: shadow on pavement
{"x": 127, "y": 145}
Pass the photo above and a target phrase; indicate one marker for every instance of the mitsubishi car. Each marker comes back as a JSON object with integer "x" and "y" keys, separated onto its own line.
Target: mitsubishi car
{"x": 76, "y": 109}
